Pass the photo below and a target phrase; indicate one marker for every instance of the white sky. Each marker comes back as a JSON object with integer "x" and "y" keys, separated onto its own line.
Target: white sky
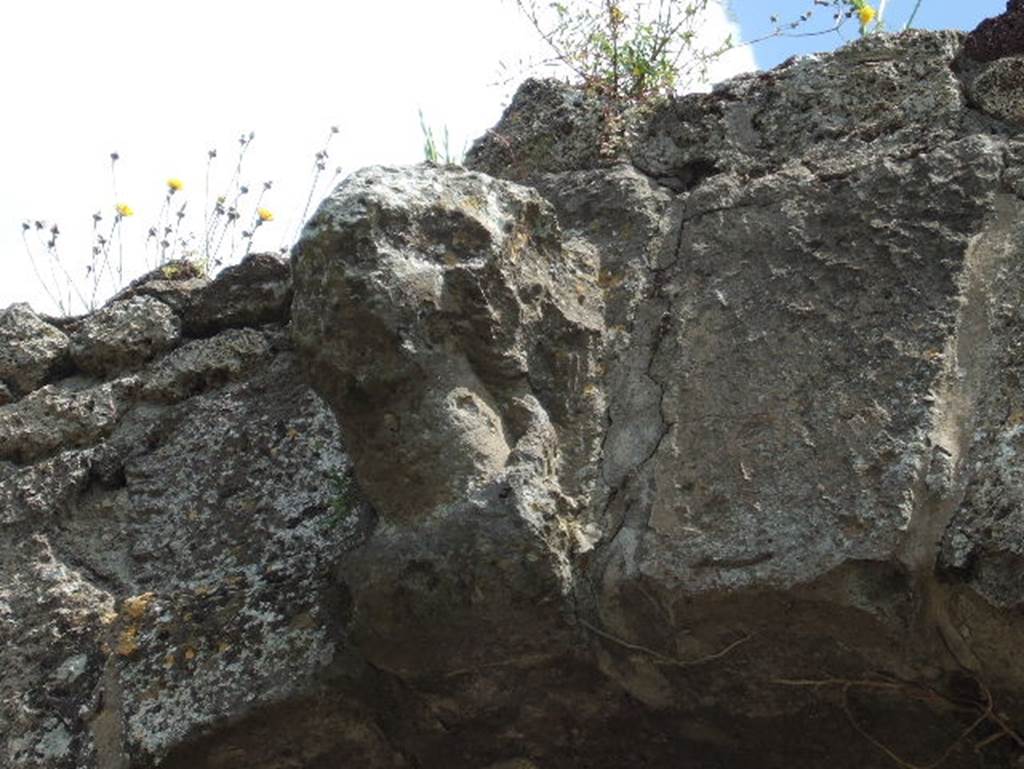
{"x": 163, "y": 82}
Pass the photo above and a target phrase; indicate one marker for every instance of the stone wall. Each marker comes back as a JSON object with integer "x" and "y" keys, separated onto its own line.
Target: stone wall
{"x": 705, "y": 454}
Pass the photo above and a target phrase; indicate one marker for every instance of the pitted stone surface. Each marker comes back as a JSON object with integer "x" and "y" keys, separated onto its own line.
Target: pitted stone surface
{"x": 31, "y": 350}
{"x": 443, "y": 318}
{"x": 173, "y": 283}
{"x": 999, "y": 90}
{"x": 168, "y": 545}
{"x": 204, "y": 363}
{"x": 252, "y": 293}
{"x": 549, "y": 127}
{"x": 53, "y": 417}
{"x": 881, "y": 94}
{"x": 124, "y": 334}
{"x": 999, "y": 36}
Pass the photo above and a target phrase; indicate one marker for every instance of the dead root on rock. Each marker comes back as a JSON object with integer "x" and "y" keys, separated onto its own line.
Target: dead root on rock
{"x": 984, "y": 709}
{"x": 658, "y": 657}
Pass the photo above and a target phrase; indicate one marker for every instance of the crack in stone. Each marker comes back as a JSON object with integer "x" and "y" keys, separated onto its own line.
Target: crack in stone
{"x": 944, "y": 477}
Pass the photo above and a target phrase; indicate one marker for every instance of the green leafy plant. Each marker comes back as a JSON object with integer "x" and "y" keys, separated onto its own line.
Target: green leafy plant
{"x": 623, "y": 54}
{"x": 629, "y": 57}
{"x": 431, "y": 152}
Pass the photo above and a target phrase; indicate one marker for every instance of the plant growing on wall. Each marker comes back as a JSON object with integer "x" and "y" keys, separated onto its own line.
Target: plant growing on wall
{"x": 627, "y": 56}
{"x": 631, "y": 55}
{"x": 230, "y": 222}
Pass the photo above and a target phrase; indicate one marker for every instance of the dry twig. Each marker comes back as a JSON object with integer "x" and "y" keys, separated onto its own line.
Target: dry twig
{"x": 664, "y": 659}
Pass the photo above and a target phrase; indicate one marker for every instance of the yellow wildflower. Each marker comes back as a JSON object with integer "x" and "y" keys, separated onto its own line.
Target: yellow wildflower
{"x": 264, "y": 215}
{"x": 866, "y": 14}
{"x": 175, "y": 184}
{"x": 123, "y": 209}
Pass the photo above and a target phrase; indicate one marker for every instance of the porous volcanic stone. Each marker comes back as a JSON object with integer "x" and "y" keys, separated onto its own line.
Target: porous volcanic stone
{"x": 31, "y": 350}
{"x": 124, "y": 334}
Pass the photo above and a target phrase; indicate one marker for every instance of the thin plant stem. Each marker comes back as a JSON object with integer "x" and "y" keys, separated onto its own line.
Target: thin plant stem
{"x": 258, "y": 220}
{"x": 105, "y": 264}
{"x": 120, "y": 259}
{"x": 319, "y": 164}
{"x": 210, "y": 156}
{"x": 55, "y": 261}
{"x": 312, "y": 189}
{"x": 114, "y": 157}
{"x": 162, "y": 231}
{"x": 913, "y": 15}
{"x": 244, "y": 141}
{"x": 35, "y": 269}
{"x": 113, "y": 174}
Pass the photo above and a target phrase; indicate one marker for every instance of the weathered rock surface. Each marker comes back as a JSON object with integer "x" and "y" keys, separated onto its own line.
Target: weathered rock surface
{"x": 255, "y": 292}
{"x": 442, "y": 315}
{"x": 999, "y": 36}
{"x": 991, "y": 65}
{"x": 124, "y": 334}
{"x": 31, "y": 350}
{"x": 169, "y": 541}
{"x": 547, "y": 128}
{"x": 706, "y": 455}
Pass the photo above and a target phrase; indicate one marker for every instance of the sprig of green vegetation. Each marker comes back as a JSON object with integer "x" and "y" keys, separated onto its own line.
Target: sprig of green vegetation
{"x": 431, "y": 153}
{"x": 913, "y": 15}
{"x": 342, "y": 496}
{"x": 627, "y": 57}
